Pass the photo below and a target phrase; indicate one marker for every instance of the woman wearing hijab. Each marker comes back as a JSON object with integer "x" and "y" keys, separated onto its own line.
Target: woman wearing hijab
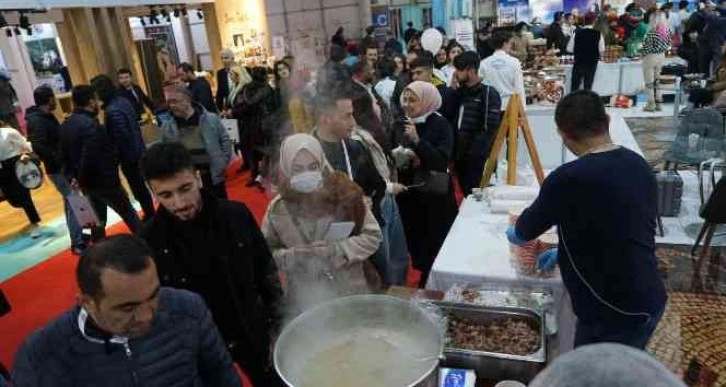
{"x": 426, "y": 146}
{"x": 319, "y": 227}
{"x": 15, "y": 148}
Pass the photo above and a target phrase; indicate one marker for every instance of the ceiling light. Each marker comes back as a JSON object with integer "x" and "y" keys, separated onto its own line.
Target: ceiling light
{"x": 9, "y": 32}
{"x": 199, "y": 14}
{"x": 176, "y": 12}
{"x": 16, "y": 30}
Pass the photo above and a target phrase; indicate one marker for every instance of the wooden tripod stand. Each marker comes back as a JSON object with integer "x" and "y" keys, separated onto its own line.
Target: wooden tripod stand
{"x": 514, "y": 119}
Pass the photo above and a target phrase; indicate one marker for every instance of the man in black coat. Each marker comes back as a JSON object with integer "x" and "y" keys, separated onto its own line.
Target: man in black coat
{"x": 556, "y": 38}
{"x": 214, "y": 247}
{"x": 133, "y": 92}
{"x": 44, "y": 134}
{"x": 123, "y": 126}
{"x": 90, "y": 162}
{"x": 199, "y": 87}
{"x": 477, "y": 115}
{"x": 224, "y": 79}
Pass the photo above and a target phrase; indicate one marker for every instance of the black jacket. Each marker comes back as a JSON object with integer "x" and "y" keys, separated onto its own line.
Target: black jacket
{"x": 139, "y": 100}
{"x": 202, "y": 93}
{"x": 363, "y": 168}
{"x": 222, "y": 88}
{"x": 479, "y": 111}
{"x": 183, "y": 348}
{"x": 44, "y": 134}
{"x": 122, "y": 124}
{"x": 89, "y": 155}
{"x": 223, "y": 256}
{"x": 556, "y": 38}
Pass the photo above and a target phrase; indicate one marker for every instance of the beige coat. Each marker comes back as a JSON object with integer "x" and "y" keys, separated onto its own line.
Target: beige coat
{"x": 340, "y": 262}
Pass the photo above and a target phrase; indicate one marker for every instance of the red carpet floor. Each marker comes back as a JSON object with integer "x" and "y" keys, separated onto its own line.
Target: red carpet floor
{"x": 39, "y": 294}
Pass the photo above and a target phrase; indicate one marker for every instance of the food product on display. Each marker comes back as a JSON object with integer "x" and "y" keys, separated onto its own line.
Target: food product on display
{"x": 506, "y": 335}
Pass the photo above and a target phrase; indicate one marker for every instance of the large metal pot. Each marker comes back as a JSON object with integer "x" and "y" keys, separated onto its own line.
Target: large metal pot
{"x": 415, "y": 339}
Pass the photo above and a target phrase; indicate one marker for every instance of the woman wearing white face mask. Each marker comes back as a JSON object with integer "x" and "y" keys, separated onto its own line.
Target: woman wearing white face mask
{"x": 301, "y": 222}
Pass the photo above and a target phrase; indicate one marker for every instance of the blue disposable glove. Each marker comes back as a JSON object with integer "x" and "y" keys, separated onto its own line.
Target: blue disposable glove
{"x": 547, "y": 260}
{"x": 514, "y": 238}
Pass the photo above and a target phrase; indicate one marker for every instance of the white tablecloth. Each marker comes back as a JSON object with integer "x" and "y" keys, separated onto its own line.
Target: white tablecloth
{"x": 607, "y": 78}
{"x": 476, "y": 252}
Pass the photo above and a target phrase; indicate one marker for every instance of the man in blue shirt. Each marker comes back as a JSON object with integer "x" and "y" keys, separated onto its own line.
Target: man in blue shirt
{"x": 604, "y": 207}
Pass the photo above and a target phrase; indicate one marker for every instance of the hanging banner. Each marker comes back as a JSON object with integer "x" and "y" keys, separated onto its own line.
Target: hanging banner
{"x": 545, "y": 10}
{"x": 579, "y": 7}
{"x": 510, "y": 12}
{"x": 464, "y": 33}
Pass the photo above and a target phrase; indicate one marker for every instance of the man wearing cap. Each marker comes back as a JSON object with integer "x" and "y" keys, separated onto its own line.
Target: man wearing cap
{"x": 588, "y": 45}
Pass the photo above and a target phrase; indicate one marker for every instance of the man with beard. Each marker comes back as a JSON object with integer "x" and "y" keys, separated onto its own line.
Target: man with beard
{"x": 199, "y": 87}
{"x": 477, "y": 118}
{"x": 126, "y": 330}
{"x": 214, "y": 247}
{"x": 90, "y": 162}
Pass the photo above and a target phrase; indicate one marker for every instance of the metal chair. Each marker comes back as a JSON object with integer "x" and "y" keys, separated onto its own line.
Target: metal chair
{"x": 707, "y": 124}
{"x": 713, "y": 214}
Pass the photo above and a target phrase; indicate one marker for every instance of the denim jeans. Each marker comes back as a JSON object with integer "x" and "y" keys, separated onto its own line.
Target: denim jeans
{"x": 64, "y": 188}
{"x": 391, "y": 259}
{"x": 634, "y": 335}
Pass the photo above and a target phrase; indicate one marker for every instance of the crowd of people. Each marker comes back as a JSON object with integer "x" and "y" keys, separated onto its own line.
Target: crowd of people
{"x": 363, "y": 158}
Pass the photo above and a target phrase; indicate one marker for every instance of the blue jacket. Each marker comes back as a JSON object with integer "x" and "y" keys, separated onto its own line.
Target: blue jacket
{"x": 88, "y": 152}
{"x": 215, "y": 138}
{"x": 122, "y": 123}
{"x": 183, "y": 348}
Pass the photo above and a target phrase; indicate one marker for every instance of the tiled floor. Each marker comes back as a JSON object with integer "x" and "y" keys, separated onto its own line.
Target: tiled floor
{"x": 691, "y": 337}
{"x": 693, "y": 329}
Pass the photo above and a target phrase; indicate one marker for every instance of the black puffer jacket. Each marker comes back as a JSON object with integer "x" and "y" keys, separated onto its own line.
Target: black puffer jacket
{"x": 478, "y": 109}
{"x": 183, "y": 349}
{"x": 224, "y": 257}
{"x": 44, "y": 134}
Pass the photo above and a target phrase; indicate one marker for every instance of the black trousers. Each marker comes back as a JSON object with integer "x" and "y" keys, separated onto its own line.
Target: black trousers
{"x": 138, "y": 187}
{"x": 704, "y": 61}
{"x": 218, "y": 190}
{"x": 114, "y": 197}
{"x": 469, "y": 171}
{"x": 17, "y": 195}
{"x": 583, "y": 73}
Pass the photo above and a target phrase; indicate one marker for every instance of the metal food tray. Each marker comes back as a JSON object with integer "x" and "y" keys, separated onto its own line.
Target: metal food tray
{"x": 493, "y": 365}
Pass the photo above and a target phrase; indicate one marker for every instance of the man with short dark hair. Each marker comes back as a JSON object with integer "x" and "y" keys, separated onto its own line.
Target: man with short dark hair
{"x": 123, "y": 125}
{"x": 422, "y": 69}
{"x": 214, "y": 247}
{"x": 371, "y": 55}
{"x": 477, "y": 112}
{"x": 90, "y": 162}
{"x": 132, "y": 92}
{"x": 199, "y": 87}
{"x": 588, "y": 45}
{"x": 126, "y": 330}
{"x": 202, "y": 133}
{"x": 503, "y": 71}
{"x": 366, "y": 108}
{"x": 604, "y": 207}
{"x": 44, "y": 134}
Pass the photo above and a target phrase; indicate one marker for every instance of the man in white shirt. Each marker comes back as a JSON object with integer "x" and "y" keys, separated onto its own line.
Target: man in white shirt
{"x": 503, "y": 71}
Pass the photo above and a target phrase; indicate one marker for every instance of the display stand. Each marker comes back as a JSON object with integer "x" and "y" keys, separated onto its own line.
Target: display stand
{"x": 514, "y": 119}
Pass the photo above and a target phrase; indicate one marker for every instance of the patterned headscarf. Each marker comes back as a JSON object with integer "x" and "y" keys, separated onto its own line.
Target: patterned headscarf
{"x": 427, "y": 93}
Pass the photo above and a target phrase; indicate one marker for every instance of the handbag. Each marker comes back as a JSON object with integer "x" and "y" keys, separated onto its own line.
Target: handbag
{"x": 432, "y": 182}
